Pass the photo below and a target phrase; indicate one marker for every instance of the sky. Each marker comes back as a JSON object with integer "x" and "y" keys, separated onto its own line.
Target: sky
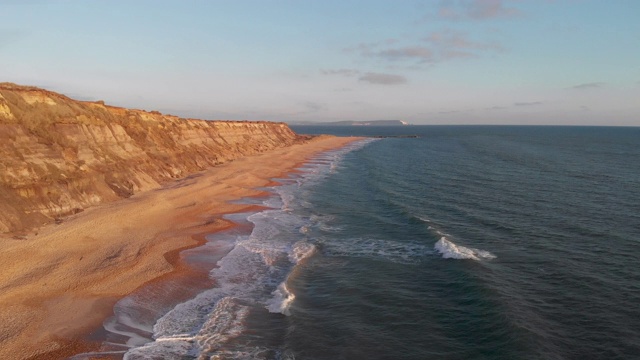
{"x": 548, "y": 62}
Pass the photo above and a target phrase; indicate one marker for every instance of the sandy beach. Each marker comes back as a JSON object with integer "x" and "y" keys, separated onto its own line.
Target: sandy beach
{"x": 61, "y": 281}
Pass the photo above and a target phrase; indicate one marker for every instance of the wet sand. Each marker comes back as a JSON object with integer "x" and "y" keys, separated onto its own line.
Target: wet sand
{"x": 61, "y": 284}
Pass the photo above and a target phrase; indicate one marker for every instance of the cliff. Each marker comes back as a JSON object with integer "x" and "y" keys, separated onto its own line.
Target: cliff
{"x": 59, "y": 156}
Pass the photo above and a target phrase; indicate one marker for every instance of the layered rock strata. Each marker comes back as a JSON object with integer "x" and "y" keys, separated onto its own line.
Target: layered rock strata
{"x": 59, "y": 156}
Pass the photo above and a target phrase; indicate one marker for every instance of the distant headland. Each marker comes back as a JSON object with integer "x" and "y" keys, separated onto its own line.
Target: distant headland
{"x": 353, "y": 123}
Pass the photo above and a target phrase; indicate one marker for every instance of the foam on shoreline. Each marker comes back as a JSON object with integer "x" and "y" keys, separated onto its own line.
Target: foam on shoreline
{"x": 252, "y": 280}
{"x": 108, "y": 251}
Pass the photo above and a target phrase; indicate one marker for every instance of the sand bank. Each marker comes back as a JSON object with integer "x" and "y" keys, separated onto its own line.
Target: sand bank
{"x": 62, "y": 282}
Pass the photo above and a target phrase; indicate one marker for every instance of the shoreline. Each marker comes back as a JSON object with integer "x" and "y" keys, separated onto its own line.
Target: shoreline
{"x": 74, "y": 273}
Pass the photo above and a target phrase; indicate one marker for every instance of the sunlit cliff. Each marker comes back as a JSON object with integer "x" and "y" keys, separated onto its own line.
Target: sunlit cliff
{"x": 59, "y": 156}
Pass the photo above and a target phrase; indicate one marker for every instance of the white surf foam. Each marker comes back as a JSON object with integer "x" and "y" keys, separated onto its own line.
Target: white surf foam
{"x": 300, "y": 251}
{"x": 114, "y": 325}
{"x": 424, "y": 218}
{"x": 281, "y": 301}
{"x": 450, "y": 250}
{"x": 253, "y": 275}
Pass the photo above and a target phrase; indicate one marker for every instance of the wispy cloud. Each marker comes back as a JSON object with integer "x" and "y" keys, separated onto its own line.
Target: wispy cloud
{"x": 436, "y": 47}
{"x": 342, "y": 72}
{"x": 370, "y": 77}
{"x": 533, "y": 103}
{"x": 451, "y": 44}
{"x": 314, "y": 107}
{"x": 383, "y": 79}
{"x": 475, "y": 10}
{"x": 388, "y": 50}
{"x": 420, "y": 53}
{"x": 450, "y": 112}
{"x": 592, "y": 85}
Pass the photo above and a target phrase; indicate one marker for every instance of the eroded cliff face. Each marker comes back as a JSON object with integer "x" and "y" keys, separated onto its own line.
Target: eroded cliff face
{"x": 59, "y": 156}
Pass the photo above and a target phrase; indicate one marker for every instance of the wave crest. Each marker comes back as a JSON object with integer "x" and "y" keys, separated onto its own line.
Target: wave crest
{"x": 281, "y": 301}
{"x": 449, "y": 250}
{"x": 301, "y": 250}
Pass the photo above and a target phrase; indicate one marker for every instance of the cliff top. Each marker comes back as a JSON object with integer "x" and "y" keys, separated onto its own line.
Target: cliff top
{"x": 16, "y": 87}
{"x": 16, "y": 100}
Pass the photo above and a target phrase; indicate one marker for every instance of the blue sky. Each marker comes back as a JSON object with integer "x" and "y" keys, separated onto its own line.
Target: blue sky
{"x": 426, "y": 62}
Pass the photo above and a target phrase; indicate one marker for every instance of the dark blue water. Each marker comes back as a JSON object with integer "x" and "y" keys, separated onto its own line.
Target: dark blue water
{"x": 559, "y": 208}
{"x": 464, "y": 243}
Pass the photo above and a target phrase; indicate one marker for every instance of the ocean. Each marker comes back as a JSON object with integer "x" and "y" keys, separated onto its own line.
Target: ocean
{"x": 465, "y": 242}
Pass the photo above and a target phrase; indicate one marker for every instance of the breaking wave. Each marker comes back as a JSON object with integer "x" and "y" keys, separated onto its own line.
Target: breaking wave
{"x": 450, "y": 250}
{"x": 251, "y": 280}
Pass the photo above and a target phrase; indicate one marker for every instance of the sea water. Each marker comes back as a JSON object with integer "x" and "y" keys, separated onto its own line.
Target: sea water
{"x": 461, "y": 243}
